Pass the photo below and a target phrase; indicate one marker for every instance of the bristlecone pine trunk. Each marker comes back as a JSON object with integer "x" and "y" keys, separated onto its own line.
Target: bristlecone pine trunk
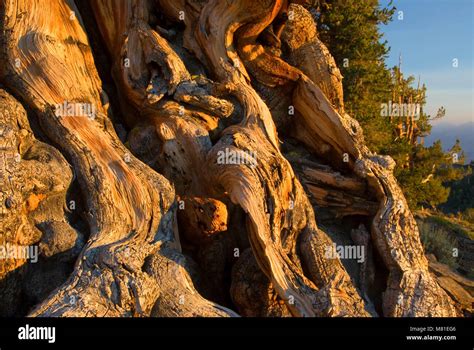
{"x": 137, "y": 136}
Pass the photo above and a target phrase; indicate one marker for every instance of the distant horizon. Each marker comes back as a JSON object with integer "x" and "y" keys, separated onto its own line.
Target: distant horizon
{"x": 448, "y": 133}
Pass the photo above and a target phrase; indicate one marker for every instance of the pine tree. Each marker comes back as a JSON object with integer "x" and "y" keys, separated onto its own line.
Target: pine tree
{"x": 351, "y": 30}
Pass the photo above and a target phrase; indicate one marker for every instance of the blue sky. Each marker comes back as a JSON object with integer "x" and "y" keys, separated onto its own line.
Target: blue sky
{"x": 431, "y": 34}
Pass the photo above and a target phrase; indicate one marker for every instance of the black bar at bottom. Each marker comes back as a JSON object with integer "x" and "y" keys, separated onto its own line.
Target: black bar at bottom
{"x": 448, "y": 333}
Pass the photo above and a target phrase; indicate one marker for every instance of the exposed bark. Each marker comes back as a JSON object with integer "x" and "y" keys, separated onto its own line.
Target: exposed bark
{"x": 459, "y": 288}
{"x": 185, "y": 128}
{"x": 34, "y": 178}
{"x": 131, "y": 207}
{"x": 252, "y": 292}
{"x": 343, "y": 195}
{"x": 201, "y": 218}
{"x": 411, "y": 289}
